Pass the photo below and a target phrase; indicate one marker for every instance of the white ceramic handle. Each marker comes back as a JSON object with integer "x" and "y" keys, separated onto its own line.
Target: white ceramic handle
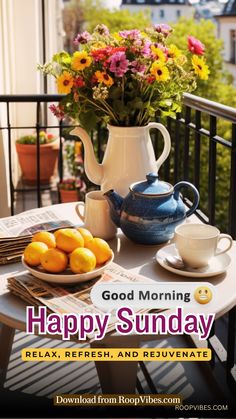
{"x": 229, "y": 238}
{"x": 167, "y": 142}
{"x": 77, "y": 208}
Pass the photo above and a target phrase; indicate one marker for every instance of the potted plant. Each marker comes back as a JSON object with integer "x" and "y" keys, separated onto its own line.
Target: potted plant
{"x": 26, "y": 147}
{"x": 73, "y": 187}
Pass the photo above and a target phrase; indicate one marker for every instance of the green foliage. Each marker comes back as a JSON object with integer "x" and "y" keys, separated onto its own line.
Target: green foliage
{"x": 115, "y": 19}
{"x": 218, "y": 88}
{"x": 31, "y": 139}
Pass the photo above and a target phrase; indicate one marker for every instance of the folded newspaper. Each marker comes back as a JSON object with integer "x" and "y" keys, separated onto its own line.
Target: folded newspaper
{"x": 16, "y": 231}
{"x": 69, "y": 299}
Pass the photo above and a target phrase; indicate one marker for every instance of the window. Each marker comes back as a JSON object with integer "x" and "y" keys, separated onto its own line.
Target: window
{"x": 162, "y": 13}
{"x": 178, "y": 13}
{"x": 233, "y": 46}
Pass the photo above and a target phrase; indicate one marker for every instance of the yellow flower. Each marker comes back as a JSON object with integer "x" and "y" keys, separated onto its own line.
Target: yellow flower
{"x": 200, "y": 67}
{"x": 80, "y": 60}
{"x": 160, "y": 71}
{"x": 98, "y": 44}
{"x": 64, "y": 83}
{"x": 116, "y": 36}
{"x": 173, "y": 52}
{"x": 78, "y": 148}
{"x": 104, "y": 78}
{"x": 159, "y": 54}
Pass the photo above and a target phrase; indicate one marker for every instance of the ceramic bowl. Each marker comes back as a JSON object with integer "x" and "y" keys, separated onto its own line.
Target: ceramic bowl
{"x": 67, "y": 276}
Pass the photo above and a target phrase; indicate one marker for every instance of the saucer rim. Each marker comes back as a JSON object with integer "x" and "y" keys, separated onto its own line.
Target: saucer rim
{"x": 185, "y": 273}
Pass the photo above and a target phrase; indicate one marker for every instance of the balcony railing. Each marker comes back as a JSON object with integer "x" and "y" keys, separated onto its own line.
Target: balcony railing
{"x": 203, "y": 152}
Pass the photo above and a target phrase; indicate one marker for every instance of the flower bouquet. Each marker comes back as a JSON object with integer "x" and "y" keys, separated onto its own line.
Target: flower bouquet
{"x": 126, "y": 78}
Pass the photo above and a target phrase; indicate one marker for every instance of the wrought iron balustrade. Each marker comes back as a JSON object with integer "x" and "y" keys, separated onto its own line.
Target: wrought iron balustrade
{"x": 198, "y": 144}
{"x": 203, "y": 152}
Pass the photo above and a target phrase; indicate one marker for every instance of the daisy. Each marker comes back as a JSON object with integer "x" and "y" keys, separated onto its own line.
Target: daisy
{"x": 173, "y": 52}
{"x": 200, "y": 67}
{"x": 158, "y": 53}
{"x": 80, "y": 60}
{"x": 103, "y": 77}
{"x": 65, "y": 83}
{"x": 160, "y": 71}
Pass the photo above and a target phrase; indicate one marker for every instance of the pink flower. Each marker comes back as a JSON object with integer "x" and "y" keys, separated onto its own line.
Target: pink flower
{"x": 132, "y": 34}
{"x": 82, "y": 38}
{"x": 57, "y": 111}
{"x": 118, "y": 63}
{"x": 163, "y": 28}
{"x": 102, "y": 29}
{"x": 146, "y": 51}
{"x": 137, "y": 67}
{"x": 195, "y": 46}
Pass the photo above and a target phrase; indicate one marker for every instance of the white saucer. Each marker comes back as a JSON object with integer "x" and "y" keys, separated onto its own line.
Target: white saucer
{"x": 216, "y": 266}
{"x": 66, "y": 277}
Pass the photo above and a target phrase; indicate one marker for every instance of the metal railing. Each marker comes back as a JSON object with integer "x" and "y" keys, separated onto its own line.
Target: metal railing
{"x": 193, "y": 132}
{"x": 203, "y": 151}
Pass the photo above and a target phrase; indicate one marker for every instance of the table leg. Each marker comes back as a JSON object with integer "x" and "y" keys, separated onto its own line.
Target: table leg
{"x": 117, "y": 377}
{"x": 6, "y": 339}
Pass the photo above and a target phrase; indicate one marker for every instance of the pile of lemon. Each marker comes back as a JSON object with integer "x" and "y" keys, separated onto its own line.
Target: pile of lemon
{"x": 68, "y": 247}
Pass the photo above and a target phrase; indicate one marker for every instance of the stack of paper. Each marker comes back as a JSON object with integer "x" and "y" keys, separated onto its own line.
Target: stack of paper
{"x": 16, "y": 231}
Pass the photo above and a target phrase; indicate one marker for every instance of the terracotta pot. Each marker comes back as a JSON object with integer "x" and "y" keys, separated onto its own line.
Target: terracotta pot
{"x": 68, "y": 196}
{"x": 27, "y": 155}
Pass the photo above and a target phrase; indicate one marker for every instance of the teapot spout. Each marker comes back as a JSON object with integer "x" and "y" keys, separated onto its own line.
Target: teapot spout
{"x": 93, "y": 169}
{"x": 115, "y": 202}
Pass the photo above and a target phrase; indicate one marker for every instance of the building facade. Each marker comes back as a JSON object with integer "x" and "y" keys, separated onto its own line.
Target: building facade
{"x": 227, "y": 32}
{"x": 162, "y": 11}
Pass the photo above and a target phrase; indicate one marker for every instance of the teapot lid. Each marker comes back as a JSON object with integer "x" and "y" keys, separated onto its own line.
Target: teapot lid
{"x": 152, "y": 186}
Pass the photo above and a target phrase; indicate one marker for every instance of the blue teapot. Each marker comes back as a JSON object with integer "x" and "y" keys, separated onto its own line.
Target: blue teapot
{"x": 151, "y": 210}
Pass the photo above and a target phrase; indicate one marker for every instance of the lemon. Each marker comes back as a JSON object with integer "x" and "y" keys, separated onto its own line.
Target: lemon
{"x": 101, "y": 250}
{"x": 54, "y": 260}
{"x": 45, "y": 237}
{"x": 82, "y": 260}
{"x": 86, "y": 234}
{"x": 33, "y": 251}
{"x": 68, "y": 239}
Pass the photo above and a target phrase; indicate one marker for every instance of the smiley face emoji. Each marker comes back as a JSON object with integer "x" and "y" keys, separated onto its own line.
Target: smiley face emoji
{"x": 203, "y": 295}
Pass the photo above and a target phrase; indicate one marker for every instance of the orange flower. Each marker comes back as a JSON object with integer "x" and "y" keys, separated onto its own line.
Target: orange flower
{"x": 65, "y": 83}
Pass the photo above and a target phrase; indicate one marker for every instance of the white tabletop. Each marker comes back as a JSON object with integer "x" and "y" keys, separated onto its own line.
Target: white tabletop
{"x": 137, "y": 258}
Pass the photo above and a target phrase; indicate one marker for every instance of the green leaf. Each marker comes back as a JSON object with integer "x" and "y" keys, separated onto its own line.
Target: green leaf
{"x": 62, "y": 58}
{"x": 88, "y": 120}
{"x": 115, "y": 92}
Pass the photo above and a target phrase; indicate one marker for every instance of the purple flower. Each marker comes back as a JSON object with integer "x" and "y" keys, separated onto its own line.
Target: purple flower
{"x": 82, "y": 38}
{"x": 102, "y": 30}
{"x": 146, "y": 51}
{"x": 137, "y": 67}
{"x": 163, "y": 28}
{"x": 133, "y": 34}
{"x": 118, "y": 63}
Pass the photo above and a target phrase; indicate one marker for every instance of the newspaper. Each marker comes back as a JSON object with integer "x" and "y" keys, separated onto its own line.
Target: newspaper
{"x": 70, "y": 299}
{"x": 16, "y": 231}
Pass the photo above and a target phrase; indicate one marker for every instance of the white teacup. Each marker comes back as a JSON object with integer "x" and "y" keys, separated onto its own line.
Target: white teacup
{"x": 96, "y": 215}
{"x": 197, "y": 243}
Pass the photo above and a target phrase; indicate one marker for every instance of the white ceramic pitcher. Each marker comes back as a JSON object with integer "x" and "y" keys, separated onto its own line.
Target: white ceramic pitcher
{"x": 129, "y": 156}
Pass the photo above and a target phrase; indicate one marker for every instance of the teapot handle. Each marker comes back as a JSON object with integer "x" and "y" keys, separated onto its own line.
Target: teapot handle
{"x": 167, "y": 142}
{"x": 182, "y": 184}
